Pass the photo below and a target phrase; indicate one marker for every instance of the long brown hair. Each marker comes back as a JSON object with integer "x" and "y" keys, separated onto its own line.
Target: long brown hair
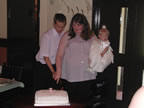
{"x": 81, "y": 19}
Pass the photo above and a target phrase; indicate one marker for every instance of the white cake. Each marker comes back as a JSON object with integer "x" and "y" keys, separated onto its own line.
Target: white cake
{"x": 51, "y": 98}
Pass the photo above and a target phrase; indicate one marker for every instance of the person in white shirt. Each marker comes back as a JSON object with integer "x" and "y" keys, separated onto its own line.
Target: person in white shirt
{"x": 138, "y": 99}
{"x": 45, "y": 67}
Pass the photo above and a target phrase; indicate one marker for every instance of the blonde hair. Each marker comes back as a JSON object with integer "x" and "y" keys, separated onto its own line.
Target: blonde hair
{"x": 104, "y": 30}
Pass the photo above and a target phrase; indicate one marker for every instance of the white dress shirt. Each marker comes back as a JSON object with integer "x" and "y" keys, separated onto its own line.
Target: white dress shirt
{"x": 48, "y": 46}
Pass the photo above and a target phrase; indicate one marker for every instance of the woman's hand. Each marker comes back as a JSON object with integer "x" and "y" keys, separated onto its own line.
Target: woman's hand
{"x": 56, "y": 76}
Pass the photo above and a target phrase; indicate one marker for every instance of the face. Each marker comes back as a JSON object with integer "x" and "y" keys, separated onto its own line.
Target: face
{"x": 103, "y": 36}
{"x": 59, "y": 26}
{"x": 77, "y": 28}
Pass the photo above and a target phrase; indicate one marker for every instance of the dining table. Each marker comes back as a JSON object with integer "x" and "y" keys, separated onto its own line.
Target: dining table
{"x": 8, "y": 84}
{"x": 8, "y": 90}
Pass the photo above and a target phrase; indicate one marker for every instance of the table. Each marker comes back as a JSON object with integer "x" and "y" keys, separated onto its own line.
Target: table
{"x": 27, "y": 101}
{"x": 10, "y": 85}
{"x": 7, "y": 91}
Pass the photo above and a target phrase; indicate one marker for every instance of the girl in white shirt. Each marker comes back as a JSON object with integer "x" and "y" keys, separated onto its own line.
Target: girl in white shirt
{"x": 100, "y": 55}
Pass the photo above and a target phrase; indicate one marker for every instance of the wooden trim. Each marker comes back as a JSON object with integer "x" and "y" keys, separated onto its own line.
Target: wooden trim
{"x": 3, "y": 42}
{"x": 3, "y": 55}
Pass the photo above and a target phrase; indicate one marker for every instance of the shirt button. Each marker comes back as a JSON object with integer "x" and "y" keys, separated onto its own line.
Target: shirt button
{"x": 82, "y": 62}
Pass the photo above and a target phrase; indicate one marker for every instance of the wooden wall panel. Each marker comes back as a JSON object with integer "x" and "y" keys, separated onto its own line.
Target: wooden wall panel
{"x": 3, "y": 55}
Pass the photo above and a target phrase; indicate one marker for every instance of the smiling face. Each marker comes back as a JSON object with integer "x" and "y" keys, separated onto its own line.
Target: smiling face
{"x": 77, "y": 27}
{"x": 103, "y": 36}
{"x": 59, "y": 26}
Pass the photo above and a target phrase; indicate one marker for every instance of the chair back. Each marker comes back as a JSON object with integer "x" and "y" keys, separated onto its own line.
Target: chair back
{"x": 12, "y": 72}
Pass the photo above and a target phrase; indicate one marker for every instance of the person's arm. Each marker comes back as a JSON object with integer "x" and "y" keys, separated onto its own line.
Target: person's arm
{"x": 94, "y": 36}
{"x": 138, "y": 99}
{"x": 104, "y": 51}
{"x": 48, "y": 62}
{"x": 46, "y": 49}
{"x": 106, "y": 45}
{"x": 59, "y": 56}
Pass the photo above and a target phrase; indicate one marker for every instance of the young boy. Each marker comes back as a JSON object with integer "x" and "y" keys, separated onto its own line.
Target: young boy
{"x": 46, "y": 57}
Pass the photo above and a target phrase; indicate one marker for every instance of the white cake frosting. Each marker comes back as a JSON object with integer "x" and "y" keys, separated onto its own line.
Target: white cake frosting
{"x": 51, "y": 98}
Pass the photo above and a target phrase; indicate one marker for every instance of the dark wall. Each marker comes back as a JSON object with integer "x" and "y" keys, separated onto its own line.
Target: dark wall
{"x": 109, "y": 13}
{"x": 134, "y": 49}
{"x": 21, "y": 32}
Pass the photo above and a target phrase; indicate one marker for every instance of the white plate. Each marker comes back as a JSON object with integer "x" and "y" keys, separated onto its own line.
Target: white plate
{"x": 4, "y": 81}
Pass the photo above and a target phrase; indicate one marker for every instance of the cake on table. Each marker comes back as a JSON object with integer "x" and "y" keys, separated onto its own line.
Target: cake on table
{"x": 51, "y": 97}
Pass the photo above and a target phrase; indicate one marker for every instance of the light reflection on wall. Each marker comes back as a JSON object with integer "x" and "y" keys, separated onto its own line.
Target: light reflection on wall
{"x": 122, "y": 45}
{"x": 143, "y": 78}
{"x": 119, "y": 88}
{"x": 123, "y": 28}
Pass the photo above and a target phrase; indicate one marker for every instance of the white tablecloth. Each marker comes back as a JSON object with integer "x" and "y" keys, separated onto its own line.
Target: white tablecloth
{"x": 10, "y": 84}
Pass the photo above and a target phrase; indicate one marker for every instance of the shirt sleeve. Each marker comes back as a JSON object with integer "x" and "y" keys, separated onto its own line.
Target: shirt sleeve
{"x": 95, "y": 37}
{"x": 46, "y": 44}
{"x": 106, "y": 44}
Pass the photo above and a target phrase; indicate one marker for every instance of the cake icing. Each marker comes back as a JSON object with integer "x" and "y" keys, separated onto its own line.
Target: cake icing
{"x": 51, "y": 97}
